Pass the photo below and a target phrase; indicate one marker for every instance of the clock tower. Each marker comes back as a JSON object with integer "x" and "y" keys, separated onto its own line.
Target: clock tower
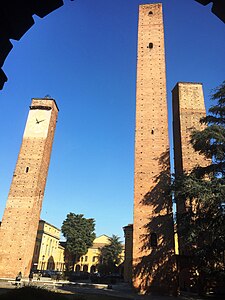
{"x": 22, "y": 213}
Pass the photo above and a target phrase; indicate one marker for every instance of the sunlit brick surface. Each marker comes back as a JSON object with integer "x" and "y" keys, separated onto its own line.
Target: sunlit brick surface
{"x": 152, "y": 208}
{"x": 21, "y": 216}
{"x": 188, "y": 109}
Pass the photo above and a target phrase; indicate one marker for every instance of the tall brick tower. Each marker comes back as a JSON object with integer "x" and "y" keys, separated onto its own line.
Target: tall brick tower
{"x": 153, "y": 226}
{"x": 188, "y": 109}
{"x": 22, "y": 213}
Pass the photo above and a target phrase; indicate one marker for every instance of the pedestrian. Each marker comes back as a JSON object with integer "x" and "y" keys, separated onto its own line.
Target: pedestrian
{"x": 57, "y": 275}
{"x": 39, "y": 276}
{"x": 18, "y": 279}
{"x": 31, "y": 276}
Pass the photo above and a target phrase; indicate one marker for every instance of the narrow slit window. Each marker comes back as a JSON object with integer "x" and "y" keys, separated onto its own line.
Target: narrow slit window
{"x": 27, "y": 169}
{"x": 153, "y": 239}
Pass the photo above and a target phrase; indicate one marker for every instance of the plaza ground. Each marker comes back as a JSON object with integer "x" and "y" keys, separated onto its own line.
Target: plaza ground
{"x": 87, "y": 291}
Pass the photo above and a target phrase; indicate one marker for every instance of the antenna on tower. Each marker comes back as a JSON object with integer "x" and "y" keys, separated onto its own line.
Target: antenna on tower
{"x": 48, "y": 96}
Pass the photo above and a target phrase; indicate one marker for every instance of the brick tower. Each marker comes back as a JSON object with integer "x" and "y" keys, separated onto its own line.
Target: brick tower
{"x": 153, "y": 226}
{"x": 22, "y": 213}
{"x": 188, "y": 108}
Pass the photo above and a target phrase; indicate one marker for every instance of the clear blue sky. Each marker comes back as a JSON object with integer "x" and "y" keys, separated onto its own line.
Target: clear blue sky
{"x": 84, "y": 56}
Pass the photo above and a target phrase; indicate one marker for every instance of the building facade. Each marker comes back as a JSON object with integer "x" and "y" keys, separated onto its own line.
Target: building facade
{"x": 48, "y": 252}
{"x": 89, "y": 262}
{"x": 22, "y": 213}
{"x": 153, "y": 225}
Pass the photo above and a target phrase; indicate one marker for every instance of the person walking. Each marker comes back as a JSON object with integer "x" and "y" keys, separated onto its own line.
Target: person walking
{"x": 39, "y": 276}
{"x": 18, "y": 279}
{"x": 31, "y": 276}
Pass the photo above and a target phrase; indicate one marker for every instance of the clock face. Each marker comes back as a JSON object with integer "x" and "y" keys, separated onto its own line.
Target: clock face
{"x": 37, "y": 123}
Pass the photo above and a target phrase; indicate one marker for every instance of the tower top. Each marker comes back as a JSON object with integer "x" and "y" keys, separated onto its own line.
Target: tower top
{"x": 180, "y": 83}
{"x": 44, "y": 102}
{"x": 153, "y": 4}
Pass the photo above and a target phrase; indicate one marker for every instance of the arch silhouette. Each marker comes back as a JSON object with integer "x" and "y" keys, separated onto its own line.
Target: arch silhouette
{"x": 26, "y": 8}
{"x": 16, "y": 20}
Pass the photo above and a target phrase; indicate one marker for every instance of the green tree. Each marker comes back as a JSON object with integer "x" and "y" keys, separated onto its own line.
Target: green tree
{"x": 203, "y": 224}
{"x": 110, "y": 256}
{"x": 79, "y": 234}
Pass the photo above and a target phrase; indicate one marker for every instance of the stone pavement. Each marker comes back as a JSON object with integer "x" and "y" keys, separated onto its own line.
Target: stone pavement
{"x": 124, "y": 291}
{"x": 120, "y": 290}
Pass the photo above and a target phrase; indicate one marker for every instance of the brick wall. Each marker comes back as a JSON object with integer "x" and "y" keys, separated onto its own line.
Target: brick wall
{"x": 152, "y": 206}
{"x": 188, "y": 109}
{"x": 22, "y": 213}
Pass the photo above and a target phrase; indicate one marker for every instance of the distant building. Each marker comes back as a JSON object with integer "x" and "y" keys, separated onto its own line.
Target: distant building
{"x": 48, "y": 252}
{"x": 89, "y": 261}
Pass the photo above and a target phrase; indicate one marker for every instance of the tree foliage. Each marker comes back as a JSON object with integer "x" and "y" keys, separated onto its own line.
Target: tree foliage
{"x": 211, "y": 141}
{"x": 110, "y": 256}
{"x": 79, "y": 234}
{"x": 202, "y": 224}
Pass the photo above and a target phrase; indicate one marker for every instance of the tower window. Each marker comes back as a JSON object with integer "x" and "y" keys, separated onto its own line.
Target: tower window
{"x": 27, "y": 169}
{"x": 150, "y": 13}
{"x": 152, "y": 131}
{"x": 150, "y": 45}
{"x": 153, "y": 239}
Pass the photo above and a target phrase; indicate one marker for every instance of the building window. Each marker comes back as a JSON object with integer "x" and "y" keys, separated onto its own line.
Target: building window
{"x": 50, "y": 244}
{"x": 27, "y": 169}
{"x": 86, "y": 258}
{"x": 85, "y": 268}
{"x": 150, "y": 45}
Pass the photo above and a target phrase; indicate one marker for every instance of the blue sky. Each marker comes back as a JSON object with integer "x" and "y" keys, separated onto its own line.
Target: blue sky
{"x": 84, "y": 56}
